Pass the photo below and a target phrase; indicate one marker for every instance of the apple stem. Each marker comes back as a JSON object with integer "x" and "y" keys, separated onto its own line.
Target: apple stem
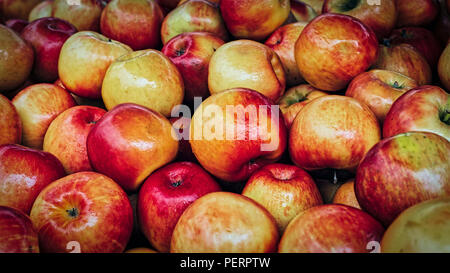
{"x": 176, "y": 184}
{"x": 446, "y": 117}
{"x": 387, "y": 42}
{"x": 73, "y": 212}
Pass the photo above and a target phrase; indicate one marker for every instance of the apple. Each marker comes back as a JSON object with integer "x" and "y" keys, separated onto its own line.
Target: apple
{"x": 191, "y": 53}
{"x": 444, "y": 67}
{"x": 129, "y": 143}
{"x": 345, "y": 195}
{"x": 194, "y": 16}
{"x": 284, "y": 190}
{"x": 16, "y": 232}
{"x": 47, "y": 36}
{"x": 145, "y": 77}
{"x": 225, "y": 222}
{"x": 181, "y": 126}
{"x": 84, "y": 59}
{"x": 85, "y": 208}
{"x": 378, "y": 89}
{"x": 38, "y": 105}
{"x": 24, "y": 172}
{"x": 165, "y": 195}
{"x": 295, "y": 99}
{"x": 17, "y": 9}
{"x": 84, "y": 15}
{"x": 41, "y": 10}
{"x": 140, "y": 250}
{"x": 302, "y": 12}
{"x": 10, "y": 123}
{"x": 414, "y": 169}
{"x": 282, "y": 41}
{"x": 16, "y": 24}
{"x": 336, "y": 138}
{"x": 404, "y": 59}
{"x": 326, "y": 50}
{"x": 247, "y": 64}
{"x": 428, "y": 233}
{"x": 16, "y": 61}
{"x": 380, "y": 17}
{"x": 330, "y": 228}
{"x": 416, "y": 12}
{"x": 425, "y": 108}
{"x": 236, "y": 132}
{"x": 136, "y": 23}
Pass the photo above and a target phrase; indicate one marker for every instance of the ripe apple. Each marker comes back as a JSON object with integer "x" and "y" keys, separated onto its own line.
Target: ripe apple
{"x": 84, "y": 15}
{"x": 181, "y": 126}
{"x": 444, "y": 67}
{"x": 336, "y": 138}
{"x": 17, "y": 9}
{"x": 145, "y": 77}
{"x": 38, "y": 105}
{"x": 16, "y": 232}
{"x": 380, "y": 17}
{"x": 41, "y": 10}
{"x": 345, "y": 195}
{"x": 84, "y": 59}
{"x": 425, "y": 108}
{"x": 378, "y": 89}
{"x": 282, "y": 41}
{"x": 165, "y": 195}
{"x": 422, "y": 228}
{"x": 47, "y": 36}
{"x": 325, "y": 50}
{"x": 284, "y": 190}
{"x": 295, "y": 99}
{"x": 129, "y": 143}
{"x": 330, "y": 228}
{"x": 235, "y": 132}
{"x": 401, "y": 171}
{"x": 16, "y": 24}
{"x": 16, "y": 60}
{"x": 87, "y": 208}
{"x": 302, "y": 12}
{"x": 254, "y": 19}
{"x": 416, "y": 12}
{"x": 191, "y": 53}
{"x": 24, "y": 172}
{"x": 10, "y": 123}
{"x": 247, "y": 64}
{"x": 225, "y": 222}
{"x": 136, "y": 23}
{"x": 194, "y": 16}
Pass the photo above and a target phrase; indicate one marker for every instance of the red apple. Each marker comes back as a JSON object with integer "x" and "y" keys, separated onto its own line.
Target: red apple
{"x": 16, "y": 232}
{"x": 10, "y": 123}
{"x": 345, "y": 195}
{"x": 181, "y": 126}
{"x": 401, "y": 171}
{"x": 83, "y": 14}
{"x": 17, "y": 9}
{"x": 41, "y": 10}
{"x": 302, "y": 11}
{"x": 85, "y": 209}
{"x": 416, "y": 12}
{"x": 444, "y": 67}
{"x": 24, "y": 172}
{"x": 16, "y": 24}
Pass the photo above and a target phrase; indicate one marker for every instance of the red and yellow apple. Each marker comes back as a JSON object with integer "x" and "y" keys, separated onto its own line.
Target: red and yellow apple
{"x": 10, "y": 123}
{"x": 84, "y": 14}
{"x": 444, "y": 67}
{"x": 16, "y": 232}
{"x": 416, "y": 12}
{"x": 345, "y": 195}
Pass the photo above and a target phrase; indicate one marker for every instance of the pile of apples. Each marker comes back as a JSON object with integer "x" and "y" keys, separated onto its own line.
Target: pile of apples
{"x": 341, "y": 126}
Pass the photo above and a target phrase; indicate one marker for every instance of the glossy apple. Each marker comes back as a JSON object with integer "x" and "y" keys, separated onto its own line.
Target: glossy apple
{"x": 331, "y": 63}
{"x": 16, "y": 232}
{"x": 16, "y": 24}
{"x": 225, "y": 222}
{"x": 10, "y": 123}
{"x": 416, "y": 12}
{"x": 87, "y": 208}
{"x": 145, "y": 77}
{"x": 378, "y": 89}
{"x": 84, "y": 59}
{"x": 24, "y": 172}
{"x": 84, "y": 15}
{"x": 247, "y": 64}
{"x": 302, "y": 11}
{"x": 345, "y": 195}
{"x": 421, "y": 161}
{"x": 444, "y": 67}
{"x": 17, "y": 9}
{"x": 181, "y": 126}
{"x": 41, "y": 10}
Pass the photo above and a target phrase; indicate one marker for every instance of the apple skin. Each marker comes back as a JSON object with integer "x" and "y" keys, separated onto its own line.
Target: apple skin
{"x": 134, "y": 23}
{"x": 234, "y": 159}
{"x": 16, "y": 232}
{"x": 425, "y": 109}
{"x": 282, "y": 41}
{"x": 181, "y": 126}
{"x": 85, "y": 207}
{"x": 295, "y": 99}
{"x": 302, "y": 12}
{"x": 345, "y": 195}
{"x": 225, "y": 222}
{"x": 444, "y": 67}
{"x": 416, "y": 12}
{"x": 85, "y": 16}
{"x": 47, "y": 36}
{"x": 429, "y": 234}
{"x": 135, "y": 140}
{"x": 191, "y": 53}
{"x": 16, "y": 24}
{"x": 17, "y": 60}
{"x": 381, "y": 18}
{"x": 66, "y": 137}
{"x": 336, "y": 138}
{"x": 10, "y": 123}
{"x": 378, "y": 89}
{"x": 247, "y": 64}
{"x": 84, "y": 59}
{"x": 41, "y": 10}
{"x": 38, "y": 105}
{"x": 165, "y": 195}
{"x": 17, "y": 9}
{"x": 284, "y": 190}
{"x": 24, "y": 172}
{"x": 331, "y": 228}
{"x": 345, "y": 35}
{"x": 415, "y": 168}
{"x": 145, "y": 77}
